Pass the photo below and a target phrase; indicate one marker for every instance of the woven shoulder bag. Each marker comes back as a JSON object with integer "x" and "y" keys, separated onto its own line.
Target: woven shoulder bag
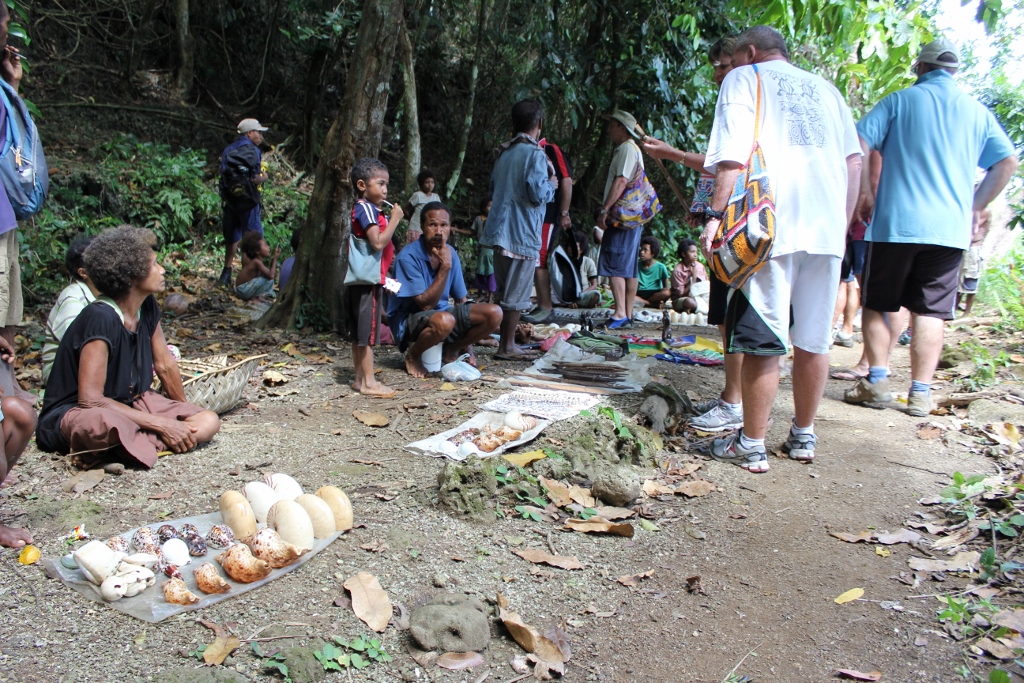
{"x": 743, "y": 242}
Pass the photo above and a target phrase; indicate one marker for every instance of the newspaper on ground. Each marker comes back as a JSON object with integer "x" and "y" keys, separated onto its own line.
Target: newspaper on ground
{"x": 543, "y": 403}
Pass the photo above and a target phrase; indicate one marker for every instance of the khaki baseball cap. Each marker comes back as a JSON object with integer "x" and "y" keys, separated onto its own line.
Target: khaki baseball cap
{"x": 249, "y": 125}
{"x": 932, "y": 54}
{"x": 626, "y": 119}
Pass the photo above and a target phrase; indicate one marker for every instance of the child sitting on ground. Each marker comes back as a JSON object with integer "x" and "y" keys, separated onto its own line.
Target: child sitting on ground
{"x": 653, "y": 285}
{"x": 256, "y": 281}
{"x": 687, "y": 295}
{"x": 364, "y": 303}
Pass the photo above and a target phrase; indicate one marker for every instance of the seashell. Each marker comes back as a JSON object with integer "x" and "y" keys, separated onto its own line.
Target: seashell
{"x": 187, "y": 529}
{"x": 113, "y": 588}
{"x": 175, "y": 591}
{"x": 142, "y": 559}
{"x": 267, "y": 545}
{"x": 97, "y": 561}
{"x": 261, "y": 497}
{"x": 237, "y": 514}
{"x": 176, "y": 552}
{"x": 240, "y": 565}
{"x": 119, "y": 544}
{"x": 289, "y": 519}
{"x": 196, "y": 545}
{"x": 69, "y": 561}
{"x": 209, "y": 580}
{"x": 520, "y": 422}
{"x": 320, "y": 514}
{"x": 283, "y": 485}
{"x": 468, "y": 448}
{"x": 143, "y": 538}
{"x": 134, "y": 588}
{"x": 339, "y": 504}
{"x": 167, "y": 532}
{"x": 220, "y": 536}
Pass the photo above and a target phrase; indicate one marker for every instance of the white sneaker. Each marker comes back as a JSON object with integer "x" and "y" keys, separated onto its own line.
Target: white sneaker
{"x": 718, "y": 419}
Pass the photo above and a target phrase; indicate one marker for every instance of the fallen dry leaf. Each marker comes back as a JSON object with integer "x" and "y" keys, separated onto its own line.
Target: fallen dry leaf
{"x": 343, "y": 601}
{"x": 162, "y": 496}
{"x": 859, "y": 676}
{"x": 425, "y": 658}
{"x": 996, "y": 649}
{"x": 369, "y": 601}
{"x": 653, "y": 488}
{"x": 613, "y": 513}
{"x": 557, "y": 491}
{"x": 882, "y": 552}
{"x": 83, "y": 481}
{"x": 920, "y": 641}
{"x": 529, "y": 638}
{"x": 376, "y": 546}
{"x": 634, "y": 579}
{"x": 460, "y": 660}
{"x": 1012, "y": 619}
{"x": 693, "y": 585}
{"x": 223, "y": 644}
{"x": 272, "y": 378}
{"x": 1006, "y": 430}
{"x": 696, "y": 488}
{"x": 524, "y": 459}
{"x": 850, "y": 596}
{"x": 929, "y": 432}
{"x": 958, "y": 537}
{"x": 852, "y": 538}
{"x": 562, "y": 640}
{"x": 901, "y": 536}
{"x": 538, "y": 556}
{"x": 582, "y": 496}
{"x": 598, "y": 525}
{"x": 447, "y": 386}
{"x": 289, "y": 348}
{"x": 371, "y": 419}
{"x": 961, "y": 562}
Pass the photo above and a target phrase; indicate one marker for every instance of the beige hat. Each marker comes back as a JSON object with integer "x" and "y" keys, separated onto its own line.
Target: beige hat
{"x": 933, "y": 51}
{"x": 249, "y": 125}
{"x": 626, "y": 119}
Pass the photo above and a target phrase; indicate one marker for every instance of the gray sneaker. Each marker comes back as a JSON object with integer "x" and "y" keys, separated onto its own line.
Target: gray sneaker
{"x": 919, "y": 404}
{"x": 718, "y": 419}
{"x": 705, "y": 406}
{"x": 729, "y": 450}
{"x": 844, "y": 340}
{"x": 800, "y": 446}
{"x": 866, "y": 392}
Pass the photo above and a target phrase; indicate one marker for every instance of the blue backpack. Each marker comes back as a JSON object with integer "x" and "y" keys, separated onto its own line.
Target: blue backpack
{"x": 22, "y": 164}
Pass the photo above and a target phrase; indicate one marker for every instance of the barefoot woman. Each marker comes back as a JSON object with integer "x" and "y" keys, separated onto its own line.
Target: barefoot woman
{"x": 99, "y": 406}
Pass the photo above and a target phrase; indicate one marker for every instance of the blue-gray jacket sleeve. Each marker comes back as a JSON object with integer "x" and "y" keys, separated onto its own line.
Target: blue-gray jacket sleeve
{"x": 538, "y": 188}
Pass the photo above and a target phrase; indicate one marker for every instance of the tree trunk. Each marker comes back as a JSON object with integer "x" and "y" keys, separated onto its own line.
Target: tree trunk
{"x": 184, "y": 47}
{"x": 312, "y": 96}
{"x": 132, "y": 63}
{"x": 410, "y": 109}
{"x": 356, "y": 132}
{"x": 467, "y": 122}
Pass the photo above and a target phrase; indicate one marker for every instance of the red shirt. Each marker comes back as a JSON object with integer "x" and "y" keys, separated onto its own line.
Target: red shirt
{"x": 365, "y": 214}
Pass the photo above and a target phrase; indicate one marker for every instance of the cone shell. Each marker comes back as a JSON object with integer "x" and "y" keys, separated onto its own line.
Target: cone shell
{"x": 220, "y": 536}
{"x": 177, "y": 592}
{"x": 144, "y": 539}
{"x": 237, "y": 514}
{"x": 166, "y": 533}
{"x": 283, "y": 485}
{"x": 320, "y": 514}
{"x": 118, "y": 544}
{"x": 289, "y": 519}
{"x": 339, "y": 504}
{"x": 241, "y": 566}
{"x": 261, "y": 497}
{"x": 268, "y": 546}
{"x": 209, "y": 580}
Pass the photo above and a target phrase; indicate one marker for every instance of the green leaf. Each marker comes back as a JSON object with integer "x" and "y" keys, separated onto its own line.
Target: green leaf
{"x": 358, "y": 662}
{"x": 280, "y": 666}
{"x": 358, "y": 644}
{"x": 257, "y": 650}
{"x": 648, "y": 525}
{"x": 998, "y": 676}
{"x": 1016, "y": 520}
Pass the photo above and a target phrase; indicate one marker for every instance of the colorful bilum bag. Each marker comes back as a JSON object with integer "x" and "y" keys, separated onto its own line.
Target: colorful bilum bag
{"x": 638, "y": 204}
{"x": 744, "y": 239}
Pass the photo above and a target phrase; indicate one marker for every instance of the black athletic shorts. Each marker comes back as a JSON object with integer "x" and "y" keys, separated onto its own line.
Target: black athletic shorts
{"x": 718, "y": 300}
{"x": 364, "y": 304}
{"x": 417, "y": 322}
{"x": 921, "y": 277}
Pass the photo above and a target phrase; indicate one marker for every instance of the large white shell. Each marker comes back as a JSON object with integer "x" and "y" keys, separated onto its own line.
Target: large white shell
{"x": 176, "y": 552}
{"x": 320, "y": 514}
{"x": 468, "y": 448}
{"x": 237, "y": 513}
{"x": 113, "y": 588}
{"x": 340, "y": 506}
{"x": 283, "y": 485}
{"x": 520, "y": 422}
{"x": 261, "y": 497}
{"x": 97, "y": 561}
{"x": 291, "y": 521}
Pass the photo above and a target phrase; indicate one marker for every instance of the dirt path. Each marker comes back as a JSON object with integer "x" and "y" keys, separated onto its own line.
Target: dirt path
{"x": 768, "y": 567}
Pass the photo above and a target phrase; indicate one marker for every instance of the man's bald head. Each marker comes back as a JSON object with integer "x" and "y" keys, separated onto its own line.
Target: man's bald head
{"x": 765, "y": 41}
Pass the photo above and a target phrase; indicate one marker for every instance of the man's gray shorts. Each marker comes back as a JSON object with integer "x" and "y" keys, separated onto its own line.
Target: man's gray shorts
{"x": 515, "y": 281}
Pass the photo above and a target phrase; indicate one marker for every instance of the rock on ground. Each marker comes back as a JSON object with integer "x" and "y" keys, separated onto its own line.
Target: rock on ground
{"x": 451, "y": 623}
{"x": 468, "y": 488}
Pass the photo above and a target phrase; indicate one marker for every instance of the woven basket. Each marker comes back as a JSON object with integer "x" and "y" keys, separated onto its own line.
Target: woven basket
{"x": 213, "y": 384}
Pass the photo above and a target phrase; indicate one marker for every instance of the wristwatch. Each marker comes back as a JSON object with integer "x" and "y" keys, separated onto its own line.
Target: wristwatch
{"x": 711, "y": 213}
{"x": 565, "y": 213}
{"x": 602, "y": 211}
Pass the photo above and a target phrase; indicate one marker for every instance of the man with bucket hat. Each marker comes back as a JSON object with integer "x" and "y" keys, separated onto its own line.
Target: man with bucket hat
{"x": 933, "y": 138}
{"x": 241, "y": 175}
{"x": 619, "y": 260}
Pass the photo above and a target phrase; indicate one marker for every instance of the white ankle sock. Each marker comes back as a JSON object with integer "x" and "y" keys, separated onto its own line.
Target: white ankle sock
{"x": 802, "y": 430}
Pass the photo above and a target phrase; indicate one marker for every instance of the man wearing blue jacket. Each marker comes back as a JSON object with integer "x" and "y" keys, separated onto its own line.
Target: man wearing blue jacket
{"x": 522, "y": 183}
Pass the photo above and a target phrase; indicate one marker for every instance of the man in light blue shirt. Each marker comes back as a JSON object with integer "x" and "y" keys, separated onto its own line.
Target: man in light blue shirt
{"x": 933, "y": 138}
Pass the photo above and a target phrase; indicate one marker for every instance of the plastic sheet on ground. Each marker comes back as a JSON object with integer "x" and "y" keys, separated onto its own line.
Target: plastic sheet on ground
{"x": 149, "y": 605}
{"x": 543, "y": 403}
{"x": 438, "y": 446}
{"x": 563, "y": 352}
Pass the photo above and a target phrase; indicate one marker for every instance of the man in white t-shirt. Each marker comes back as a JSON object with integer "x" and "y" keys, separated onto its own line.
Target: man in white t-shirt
{"x": 813, "y": 161}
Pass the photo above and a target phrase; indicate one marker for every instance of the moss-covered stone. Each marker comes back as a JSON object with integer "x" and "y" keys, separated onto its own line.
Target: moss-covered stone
{"x": 595, "y": 439}
{"x": 952, "y": 356}
{"x": 552, "y": 468}
{"x": 468, "y": 488}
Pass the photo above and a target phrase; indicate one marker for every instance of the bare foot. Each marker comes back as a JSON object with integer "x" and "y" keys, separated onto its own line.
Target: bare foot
{"x": 14, "y": 538}
{"x": 414, "y": 366}
{"x": 356, "y": 386}
{"x": 374, "y": 389}
{"x": 487, "y": 341}
{"x": 11, "y": 480}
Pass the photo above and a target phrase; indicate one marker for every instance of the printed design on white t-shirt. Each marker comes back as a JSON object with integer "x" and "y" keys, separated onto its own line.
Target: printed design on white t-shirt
{"x": 801, "y": 108}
